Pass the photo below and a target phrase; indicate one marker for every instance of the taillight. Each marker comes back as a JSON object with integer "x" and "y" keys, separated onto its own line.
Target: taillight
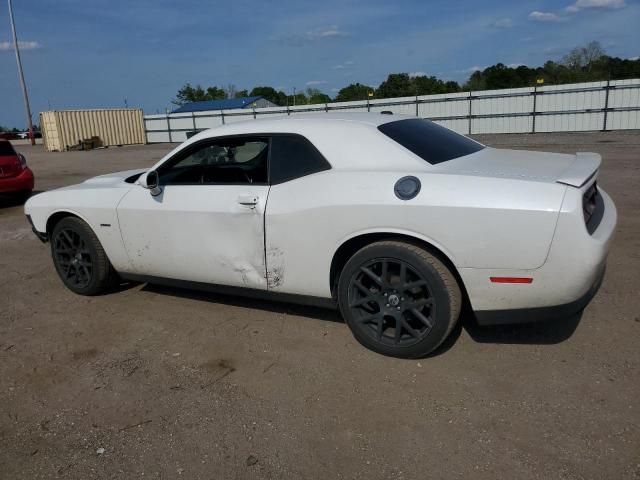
{"x": 23, "y": 161}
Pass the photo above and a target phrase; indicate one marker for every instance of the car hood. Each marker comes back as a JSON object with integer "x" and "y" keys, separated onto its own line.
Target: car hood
{"x": 113, "y": 179}
{"x": 525, "y": 165}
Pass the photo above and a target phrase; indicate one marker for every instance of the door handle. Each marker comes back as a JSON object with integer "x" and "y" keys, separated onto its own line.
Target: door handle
{"x": 248, "y": 200}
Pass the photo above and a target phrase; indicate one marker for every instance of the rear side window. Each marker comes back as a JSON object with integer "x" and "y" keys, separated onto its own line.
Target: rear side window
{"x": 293, "y": 156}
{"x": 428, "y": 140}
{"x": 6, "y": 149}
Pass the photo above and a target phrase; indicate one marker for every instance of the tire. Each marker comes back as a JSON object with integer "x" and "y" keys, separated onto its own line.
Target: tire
{"x": 79, "y": 258}
{"x": 415, "y": 290}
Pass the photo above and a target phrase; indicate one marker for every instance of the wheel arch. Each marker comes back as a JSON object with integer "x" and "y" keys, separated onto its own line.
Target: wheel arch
{"x": 58, "y": 215}
{"x": 351, "y": 245}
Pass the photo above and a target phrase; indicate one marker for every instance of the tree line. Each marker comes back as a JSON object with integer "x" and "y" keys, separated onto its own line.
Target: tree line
{"x": 582, "y": 64}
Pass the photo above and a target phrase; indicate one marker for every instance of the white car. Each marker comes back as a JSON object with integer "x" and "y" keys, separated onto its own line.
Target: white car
{"x": 397, "y": 220}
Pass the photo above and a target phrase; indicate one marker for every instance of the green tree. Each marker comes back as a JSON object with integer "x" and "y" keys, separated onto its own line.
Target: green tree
{"x": 396, "y": 85}
{"x": 424, "y": 85}
{"x": 216, "y": 93}
{"x": 353, "y": 92}
{"x": 189, "y": 94}
{"x": 299, "y": 99}
{"x": 316, "y": 96}
{"x": 242, "y": 93}
{"x": 276, "y": 96}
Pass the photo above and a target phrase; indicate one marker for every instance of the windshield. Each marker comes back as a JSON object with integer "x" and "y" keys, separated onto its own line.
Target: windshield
{"x": 428, "y": 140}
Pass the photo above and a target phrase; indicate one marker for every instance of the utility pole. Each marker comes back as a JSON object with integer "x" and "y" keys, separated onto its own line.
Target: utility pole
{"x": 294, "y": 96}
{"x": 21, "y": 74}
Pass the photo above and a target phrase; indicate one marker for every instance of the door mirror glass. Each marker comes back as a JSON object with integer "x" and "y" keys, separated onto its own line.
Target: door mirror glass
{"x": 153, "y": 183}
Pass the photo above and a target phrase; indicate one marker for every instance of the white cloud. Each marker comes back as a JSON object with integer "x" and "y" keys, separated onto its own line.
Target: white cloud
{"x": 311, "y": 36}
{"x": 583, "y": 4}
{"x": 315, "y": 82}
{"x": 633, "y": 58}
{"x": 325, "y": 32}
{"x": 515, "y": 65}
{"x": 417, "y": 74}
{"x": 537, "y": 16}
{"x": 475, "y": 68}
{"x": 343, "y": 65}
{"x": 502, "y": 23}
{"x": 8, "y": 46}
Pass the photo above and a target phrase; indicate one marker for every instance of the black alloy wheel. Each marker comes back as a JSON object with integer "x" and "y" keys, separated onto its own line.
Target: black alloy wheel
{"x": 398, "y": 299}
{"x": 392, "y": 302}
{"x": 80, "y": 260}
{"x": 73, "y": 257}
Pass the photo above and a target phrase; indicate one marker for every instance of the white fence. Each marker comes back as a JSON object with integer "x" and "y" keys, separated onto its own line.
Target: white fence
{"x": 613, "y": 105}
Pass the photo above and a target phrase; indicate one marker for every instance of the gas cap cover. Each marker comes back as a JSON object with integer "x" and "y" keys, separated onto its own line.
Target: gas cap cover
{"x": 407, "y": 188}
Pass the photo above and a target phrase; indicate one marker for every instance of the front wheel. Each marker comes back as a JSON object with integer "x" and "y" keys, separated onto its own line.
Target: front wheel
{"x": 398, "y": 299}
{"x": 79, "y": 258}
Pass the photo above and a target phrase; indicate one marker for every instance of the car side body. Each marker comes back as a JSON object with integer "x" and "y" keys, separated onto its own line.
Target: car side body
{"x": 509, "y": 224}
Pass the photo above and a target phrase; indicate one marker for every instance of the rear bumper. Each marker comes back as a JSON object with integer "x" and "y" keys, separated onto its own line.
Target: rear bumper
{"x": 564, "y": 285}
{"x": 20, "y": 183}
{"x": 540, "y": 314}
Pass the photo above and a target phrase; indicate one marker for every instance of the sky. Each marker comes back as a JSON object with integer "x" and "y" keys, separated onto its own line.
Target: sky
{"x": 100, "y": 53}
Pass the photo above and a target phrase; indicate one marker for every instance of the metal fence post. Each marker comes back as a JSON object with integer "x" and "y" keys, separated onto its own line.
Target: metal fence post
{"x": 193, "y": 120}
{"x": 222, "y": 116}
{"x": 417, "y": 114}
{"x": 606, "y": 105}
{"x": 535, "y": 96}
{"x": 470, "y": 99}
{"x": 169, "y": 128}
{"x": 254, "y": 114}
{"x": 368, "y": 106}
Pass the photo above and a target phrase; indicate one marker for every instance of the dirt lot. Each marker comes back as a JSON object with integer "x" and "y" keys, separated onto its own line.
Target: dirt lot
{"x": 161, "y": 382}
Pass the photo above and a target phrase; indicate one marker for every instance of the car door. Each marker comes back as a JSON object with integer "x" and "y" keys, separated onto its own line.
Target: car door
{"x": 206, "y": 224}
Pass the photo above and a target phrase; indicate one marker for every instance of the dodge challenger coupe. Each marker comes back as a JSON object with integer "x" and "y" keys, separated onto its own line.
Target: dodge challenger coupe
{"x": 395, "y": 219}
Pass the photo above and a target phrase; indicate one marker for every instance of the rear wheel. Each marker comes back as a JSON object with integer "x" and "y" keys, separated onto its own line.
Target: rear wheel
{"x": 398, "y": 299}
{"x": 79, "y": 258}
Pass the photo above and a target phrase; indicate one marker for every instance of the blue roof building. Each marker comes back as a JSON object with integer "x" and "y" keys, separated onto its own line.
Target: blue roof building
{"x": 225, "y": 104}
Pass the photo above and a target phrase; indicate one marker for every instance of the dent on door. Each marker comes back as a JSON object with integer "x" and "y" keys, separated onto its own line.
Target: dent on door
{"x": 210, "y": 234}
{"x": 275, "y": 267}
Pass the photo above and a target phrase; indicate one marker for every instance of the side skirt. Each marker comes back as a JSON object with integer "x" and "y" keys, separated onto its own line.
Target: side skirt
{"x": 234, "y": 291}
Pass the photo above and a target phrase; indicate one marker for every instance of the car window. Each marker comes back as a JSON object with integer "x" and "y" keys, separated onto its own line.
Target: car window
{"x": 6, "y": 149}
{"x": 293, "y": 156}
{"x": 430, "y": 141}
{"x": 238, "y": 160}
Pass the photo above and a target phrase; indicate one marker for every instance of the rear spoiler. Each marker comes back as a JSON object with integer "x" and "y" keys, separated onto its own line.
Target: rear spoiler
{"x": 581, "y": 170}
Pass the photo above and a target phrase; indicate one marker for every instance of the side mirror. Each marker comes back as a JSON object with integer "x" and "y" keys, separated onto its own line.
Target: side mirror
{"x": 152, "y": 181}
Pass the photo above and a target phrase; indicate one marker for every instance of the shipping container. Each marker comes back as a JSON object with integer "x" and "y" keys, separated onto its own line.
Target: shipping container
{"x": 62, "y": 130}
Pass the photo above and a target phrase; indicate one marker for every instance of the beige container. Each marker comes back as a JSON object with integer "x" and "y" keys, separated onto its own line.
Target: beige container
{"x": 63, "y": 129}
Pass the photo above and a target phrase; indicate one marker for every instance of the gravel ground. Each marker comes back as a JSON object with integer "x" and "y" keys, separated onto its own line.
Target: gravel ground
{"x": 159, "y": 382}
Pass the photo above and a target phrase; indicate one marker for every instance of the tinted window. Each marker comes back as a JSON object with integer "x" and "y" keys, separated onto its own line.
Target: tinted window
{"x": 428, "y": 140}
{"x": 239, "y": 160}
{"x": 293, "y": 156}
{"x": 6, "y": 149}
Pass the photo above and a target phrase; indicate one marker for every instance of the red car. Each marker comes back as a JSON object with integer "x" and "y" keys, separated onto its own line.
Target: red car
{"x": 15, "y": 176}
